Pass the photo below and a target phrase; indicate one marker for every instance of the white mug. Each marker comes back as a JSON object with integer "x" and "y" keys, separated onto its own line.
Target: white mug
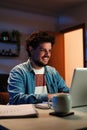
{"x": 62, "y": 103}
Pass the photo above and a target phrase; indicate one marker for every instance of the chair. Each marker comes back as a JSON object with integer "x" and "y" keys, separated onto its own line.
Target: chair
{"x": 4, "y": 98}
{"x": 4, "y": 95}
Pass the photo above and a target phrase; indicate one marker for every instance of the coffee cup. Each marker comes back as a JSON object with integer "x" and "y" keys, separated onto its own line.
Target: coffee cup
{"x": 61, "y": 103}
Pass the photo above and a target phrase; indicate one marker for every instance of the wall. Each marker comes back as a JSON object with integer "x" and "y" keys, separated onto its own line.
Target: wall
{"x": 25, "y": 23}
{"x": 72, "y": 17}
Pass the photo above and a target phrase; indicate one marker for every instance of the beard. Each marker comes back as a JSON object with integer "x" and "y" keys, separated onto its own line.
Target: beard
{"x": 40, "y": 64}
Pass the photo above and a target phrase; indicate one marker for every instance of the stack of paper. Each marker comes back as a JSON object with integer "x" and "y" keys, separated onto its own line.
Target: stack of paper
{"x": 11, "y": 111}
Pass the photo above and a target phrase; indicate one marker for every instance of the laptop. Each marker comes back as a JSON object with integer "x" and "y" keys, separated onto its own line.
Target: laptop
{"x": 79, "y": 87}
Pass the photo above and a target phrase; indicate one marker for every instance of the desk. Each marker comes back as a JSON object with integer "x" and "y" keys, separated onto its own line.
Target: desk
{"x": 48, "y": 122}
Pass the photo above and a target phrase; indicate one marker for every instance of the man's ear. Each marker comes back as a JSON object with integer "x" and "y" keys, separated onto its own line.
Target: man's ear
{"x": 30, "y": 48}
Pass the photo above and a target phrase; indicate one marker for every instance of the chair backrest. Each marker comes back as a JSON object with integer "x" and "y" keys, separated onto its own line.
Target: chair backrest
{"x": 3, "y": 82}
{"x": 4, "y": 98}
{"x": 4, "y": 95}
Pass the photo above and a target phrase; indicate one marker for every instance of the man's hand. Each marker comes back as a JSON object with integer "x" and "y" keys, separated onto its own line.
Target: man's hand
{"x": 50, "y": 96}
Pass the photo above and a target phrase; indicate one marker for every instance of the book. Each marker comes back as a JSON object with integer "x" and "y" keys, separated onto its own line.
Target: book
{"x": 18, "y": 111}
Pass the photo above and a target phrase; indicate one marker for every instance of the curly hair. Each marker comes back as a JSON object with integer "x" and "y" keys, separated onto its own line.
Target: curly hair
{"x": 37, "y": 38}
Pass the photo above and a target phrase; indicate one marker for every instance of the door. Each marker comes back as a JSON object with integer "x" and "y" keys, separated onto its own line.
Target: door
{"x": 68, "y": 52}
{"x": 74, "y": 52}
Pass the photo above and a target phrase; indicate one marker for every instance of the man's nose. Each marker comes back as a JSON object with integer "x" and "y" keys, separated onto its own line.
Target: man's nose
{"x": 47, "y": 53}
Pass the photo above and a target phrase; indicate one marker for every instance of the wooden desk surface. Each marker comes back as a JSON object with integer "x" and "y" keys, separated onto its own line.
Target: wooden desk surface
{"x": 48, "y": 122}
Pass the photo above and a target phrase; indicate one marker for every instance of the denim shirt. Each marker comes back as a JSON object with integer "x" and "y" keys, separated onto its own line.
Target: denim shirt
{"x": 21, "y": 84}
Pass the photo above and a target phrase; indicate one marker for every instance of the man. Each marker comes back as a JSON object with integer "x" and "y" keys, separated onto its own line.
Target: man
{"x": 34, "y": 81}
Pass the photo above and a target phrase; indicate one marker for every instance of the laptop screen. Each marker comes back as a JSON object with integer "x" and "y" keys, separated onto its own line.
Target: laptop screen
{"x": 79, "y": 87}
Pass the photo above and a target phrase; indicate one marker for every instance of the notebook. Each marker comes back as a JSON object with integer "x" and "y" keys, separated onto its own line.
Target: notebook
{"x": 79, "y": 87}
{"x": 18, "y": 111}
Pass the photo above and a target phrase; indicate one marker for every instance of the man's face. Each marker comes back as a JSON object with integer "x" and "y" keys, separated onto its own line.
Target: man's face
{"x": 41, "y": 55}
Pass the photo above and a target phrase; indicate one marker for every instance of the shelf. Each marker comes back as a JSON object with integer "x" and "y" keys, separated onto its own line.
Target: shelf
{"x": 9, "y": 48}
